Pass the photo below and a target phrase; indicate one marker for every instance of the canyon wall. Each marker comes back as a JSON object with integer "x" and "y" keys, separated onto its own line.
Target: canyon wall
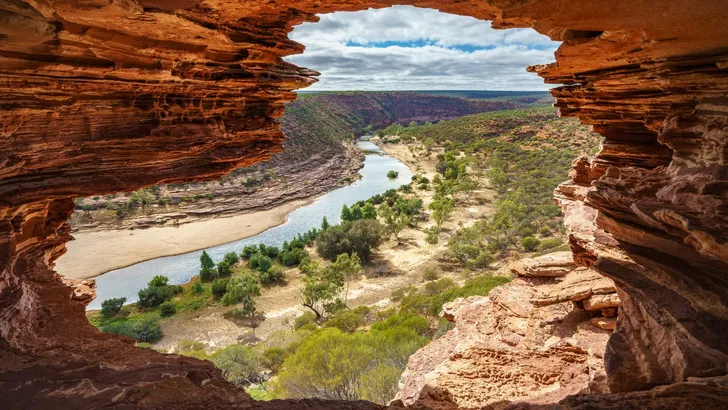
{"x": 100, "y": 96}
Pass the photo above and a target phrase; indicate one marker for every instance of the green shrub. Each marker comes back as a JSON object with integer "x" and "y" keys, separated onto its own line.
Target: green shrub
{"x": 159, "y": 280}
{"x": 306, "y": 318}
{"x": 190, "y": 346}
{"x": 111, "y": 307}
{"x": 264, "y": 263}
{"x": 240, "y": 364}
{"x": 545, "y": 231}
{"x": 429, "y": 275}
{"x": 248, "y": 251}
{"x": 439, "y": 286}
{"x": 168, "y": 308}
{"x": 147, "y": 330}
{"x": 273, "y": 358}
{"x": 293, "y": 257}
{"x": 433, "y": 235}
{"x": 276, "y": 274}
{"x": 392, "y": 174}
{"x": 416, "y": 323}
{"x": 224, "y": 268}
{"x": 550, "y": 243}
{"x": 484, "y": 259}
{"x": 253, "y": 261}
{"x": 346, "y": 321}
{"x": 231, "y": 258}
{"x": 154, "y": 296}
{"x": 197, "y": 288}
{"x": 208, "y": 274}
{"x": 219, "y": 287}
{"x": 361, "y": 236}
{"x": 530, "y": 243}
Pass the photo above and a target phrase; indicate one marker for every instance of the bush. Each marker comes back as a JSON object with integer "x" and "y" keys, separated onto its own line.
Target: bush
{"x": 264, "y": 263}
{"x": 416, "y": 323}
{"x": 346, "y": 321}
{"x": 224, "y": 268}
{"x": 484, "y": 259}
{"x": 231, "y": 258}
{"x": 272, "y": 251}
{"x": 273, "y": 358}
{"x": 433, "y": 235}
{"x": 168, "y": 308}
{"x": 240, "y": 364}
{"x": 219, "y": 287}
{"x": 530, "y": 243}
{"x": 306, "y": 318}
{"x": 429, "y": 275}
{"x": 248, "y": 251}
{"x": 253, "y": 261}
{"x": 275, "y": 274}
{"x": 550, "y": 243}
{"x": 111, "y": 307}
{"x": 439, "y": 286}
{"x": 361, "y": 237}
{"x": 545, "y": 231}
{"x": 159, "y": 281}
{"x": 154, "y": 296}
{"x": 392, "y": 174}
{"x": 293, "y": 257}
{"x": 147, "y": 330}
{"x": 197, "y": 288}
{"x": 208, "y": 275}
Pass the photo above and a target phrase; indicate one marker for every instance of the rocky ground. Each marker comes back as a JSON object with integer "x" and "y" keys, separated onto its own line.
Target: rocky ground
{"x": 533, "y": 339}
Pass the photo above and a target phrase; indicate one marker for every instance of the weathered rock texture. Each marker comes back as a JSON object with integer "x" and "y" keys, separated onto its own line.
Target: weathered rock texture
{"x": 103, "y": 96}
{"x": 506, "y": 349}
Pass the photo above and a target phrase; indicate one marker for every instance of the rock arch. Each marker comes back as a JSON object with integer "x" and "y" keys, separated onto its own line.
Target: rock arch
{"x": 98, "y": 96}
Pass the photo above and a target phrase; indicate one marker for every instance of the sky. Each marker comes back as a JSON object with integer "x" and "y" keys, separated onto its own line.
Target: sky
{"x": 408, "y": 48}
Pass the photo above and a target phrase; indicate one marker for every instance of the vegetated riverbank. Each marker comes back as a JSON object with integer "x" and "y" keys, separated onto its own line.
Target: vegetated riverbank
{"x": 95, "y": 252}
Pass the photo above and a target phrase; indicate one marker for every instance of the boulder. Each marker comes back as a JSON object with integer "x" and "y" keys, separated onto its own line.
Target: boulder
{"x": 552, "y": 264}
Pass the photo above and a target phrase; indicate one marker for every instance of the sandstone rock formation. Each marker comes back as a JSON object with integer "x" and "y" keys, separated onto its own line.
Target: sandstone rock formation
{"x": 105, "y": 96}
{"x": 505, "y": 349}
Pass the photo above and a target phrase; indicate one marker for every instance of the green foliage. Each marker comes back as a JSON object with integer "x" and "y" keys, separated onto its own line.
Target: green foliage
{"x": 264, "y": 263}
{"x": 530, "y": 243}
{"x": 242, "y": 290}
{"x": 223, "y": 268}
{"x": 219, "y": 287}
{"x": 293, "y": 256}
{"x": 322, "y": 287}
{"x": 433, "y": 235}
{"x": 248, "y": 251}
{"x": 416, "y": 323}
{"x": 206, "y": 261}
{"x": 231, "y": 258}
{"x": 441, "y": 207}
{"x": 157, "y": 293}
{"x": 240, "y": 364}
{"x": 392, "y": 174}
{"x": 305, "y": 319}
{"x": 550, "y": 243}
{"x": 346, "y": 321}
{"x": 359, "y": 236}
{"x": 208, "y": 275}
{"x": 545, "y": 231}
{"x": 332, "y": 364}
{"x": 275, "y": 274}
{"x": 146, "y": 330}
{"x": 168, "y": 308}
{"x": 439, "y": 286}
{"x": 394, "y": 222}
{"x": 429, "y": 275}
{"x": 197, "y": 288}
{"x": 158, "y": 281}
{"x": 111, "y": 307}
{"x": 430, "y": 303}
{"x": 325, "y": 224}
{"x": 368, "y": 211}
{"x": 273, "y": 358}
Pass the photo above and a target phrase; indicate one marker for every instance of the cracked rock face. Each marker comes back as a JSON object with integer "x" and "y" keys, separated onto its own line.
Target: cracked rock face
{"x": 105, "y": 96}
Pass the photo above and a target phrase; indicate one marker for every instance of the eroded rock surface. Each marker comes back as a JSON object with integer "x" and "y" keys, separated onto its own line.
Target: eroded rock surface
{"x": 105, "y": 96}
{"x": 505, "y": 349}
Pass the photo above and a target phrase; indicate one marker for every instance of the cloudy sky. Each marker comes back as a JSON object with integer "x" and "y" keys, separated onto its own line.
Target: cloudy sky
{"x": 406, "y": 48}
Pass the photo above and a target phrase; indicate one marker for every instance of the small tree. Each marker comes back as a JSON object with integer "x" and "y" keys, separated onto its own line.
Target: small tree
{"x": 348, "y": 267}
{"x": 231, "y": 258}
{"x": 168, "y": 308}
{"x": 368, "y": 211}
{"x": 324, "y": 224}
{"x": 264, "y": 263}
{"x": 530, "y": 243}
{"x": 223, "y": 268}
{"x": 442, "y": 208}
{"x": 206, "y": 261}
{"x": 242, "y": 289}
{"x": 159, "y": 280}
{"x": 346, "y": 213}
{"x": 395, "y": 222}
{"x": 392, "y": 174}
{"x": 111, "y": 307}
{"x": 208, "y": 275}
{"x": 321, "y": 287}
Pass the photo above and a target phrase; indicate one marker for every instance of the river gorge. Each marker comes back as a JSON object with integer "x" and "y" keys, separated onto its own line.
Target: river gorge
{"x": 127, "y": 281}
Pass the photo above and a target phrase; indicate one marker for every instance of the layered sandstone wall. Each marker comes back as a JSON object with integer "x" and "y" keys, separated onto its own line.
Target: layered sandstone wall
{"x": 104, "y": 96}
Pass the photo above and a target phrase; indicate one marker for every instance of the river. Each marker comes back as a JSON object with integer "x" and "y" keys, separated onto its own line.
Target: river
{"x": 126, "y": 282}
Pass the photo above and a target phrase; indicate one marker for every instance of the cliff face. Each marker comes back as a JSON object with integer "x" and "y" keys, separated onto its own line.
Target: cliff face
{"x": 105, "y": 96}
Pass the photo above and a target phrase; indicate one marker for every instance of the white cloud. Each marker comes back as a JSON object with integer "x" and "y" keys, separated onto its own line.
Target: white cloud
{"x": 406, "y": 48}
